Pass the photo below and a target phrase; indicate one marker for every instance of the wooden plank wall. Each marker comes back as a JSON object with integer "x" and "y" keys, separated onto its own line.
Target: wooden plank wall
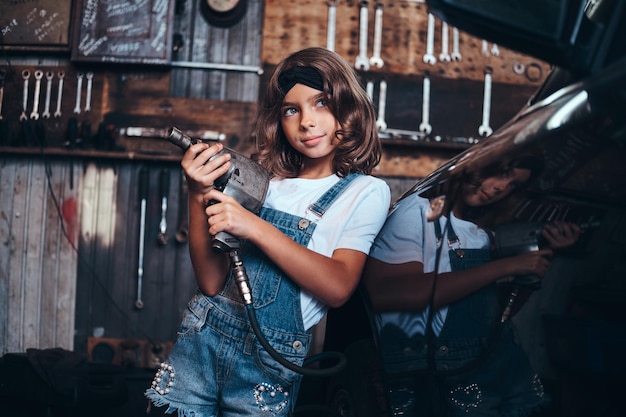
{"x": 37, "y": 254}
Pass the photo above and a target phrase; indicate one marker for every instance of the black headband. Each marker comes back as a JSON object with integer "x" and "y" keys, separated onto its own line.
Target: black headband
{"x": 308, "y": 76}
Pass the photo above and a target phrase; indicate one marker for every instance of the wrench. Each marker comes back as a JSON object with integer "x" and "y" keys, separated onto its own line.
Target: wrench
{"x": 25, "y": 76}
{"x": 46, "y": 111}
{"x": 382, "y": 99}
{"x": 495, "y": 51}
{"x": 429, "y": 56}
{"x": 61, "y": 75}
{"x": 444, "y": 56}
{"x": 361, "y": 60}
{"x": 330, "y": 30}
{"x": 456, "y": 54}
{"x": 369, "y": 89}
{"x": 89, "y": 77}
{"x": 376, "y": 60}
{"x": 485, "y": 48}
{"x": 425, "y": 126}
{"x": 35, "y": 113}
{"x": 164, "y": 189}
{"x": 79, "y": 90}
{"x": 484, "y": 129}
{"x": 143, "y": 195}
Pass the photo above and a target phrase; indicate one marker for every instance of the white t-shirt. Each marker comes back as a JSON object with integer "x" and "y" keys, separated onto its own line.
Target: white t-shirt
{"x": 408, "y": 237}
{"x": 351, "y": 222}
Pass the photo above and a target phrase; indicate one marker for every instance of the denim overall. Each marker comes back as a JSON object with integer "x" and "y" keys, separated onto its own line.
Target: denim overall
{"x": 217, "y": 367}
{"x": 481, "y": 370}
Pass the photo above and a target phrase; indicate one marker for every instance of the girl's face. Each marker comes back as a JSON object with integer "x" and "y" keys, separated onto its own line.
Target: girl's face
{"x": 310, "y": 128}
{"x": 493, "y": 189}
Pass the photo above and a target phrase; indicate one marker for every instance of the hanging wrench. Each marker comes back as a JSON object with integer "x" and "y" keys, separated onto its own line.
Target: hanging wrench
{"x": 79, "y": 91}
{"x": 143, "y": 195}
{"x": 89, "y": 77}
{"x": 60, "y": 75}
{"x": 485, "y": 48}
{"x": 46, "y": 110}
{"x": 369, "y": 89}
{"x": 361, "y": 60}
{"x": 429, "y": 56}
{"x": 331, "y": 29}
{"x": 376, "y": 60}
{"x": 425, "y": 126}
{"x": 495, "y": 51}
{"x": 456, "y": 54}
{"x": 35, "y": 113}
{"x": 164, "y": 187}
{"x": 382, "y": 99}
{"x": 484, "y": 129}
{"x": 444, "y": 56}
{"x": 25, "y": 76}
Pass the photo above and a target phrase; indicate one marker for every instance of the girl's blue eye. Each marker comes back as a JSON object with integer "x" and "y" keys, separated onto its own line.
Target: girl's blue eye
{"x": 289, "y": 111}
{"x": 321, "y": 102}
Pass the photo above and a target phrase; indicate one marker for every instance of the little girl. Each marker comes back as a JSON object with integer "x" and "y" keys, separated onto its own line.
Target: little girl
{"x": 316, "y": 134}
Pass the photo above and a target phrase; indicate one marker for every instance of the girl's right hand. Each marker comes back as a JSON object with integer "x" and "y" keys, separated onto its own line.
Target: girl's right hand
{"x": 201, "y": 171}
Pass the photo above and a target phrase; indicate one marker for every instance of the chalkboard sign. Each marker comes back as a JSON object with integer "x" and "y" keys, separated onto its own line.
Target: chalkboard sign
{"x": 35, "y": 24}
{"x": 124, "y": 31}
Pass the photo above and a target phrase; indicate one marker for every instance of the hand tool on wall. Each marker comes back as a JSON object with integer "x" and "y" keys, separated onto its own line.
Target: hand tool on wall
{"x": 89, "y": 77}
{"x": 182, "y": 229}
{"x": 164, "y": 189}
{"x": 362, "y": 62}
{"x": 444, "y": 56}
{"x": 484, "y": 129}
{"x": 143, "y": 199}
{"x": 382, "y": 100}
{"x": 25, "y": 76}
{"x": 331, "y": 29}
{"x": 35, "y": 113}
{"x": 456, "y": 52}
{"x": 46, "y": 110}
{"x": 376, "y": 60}
{"x": 79, "y": 91}
{"x": 425, "y": 126}
{"x": 429, "y": 56}
{"x": 60, "y": 75}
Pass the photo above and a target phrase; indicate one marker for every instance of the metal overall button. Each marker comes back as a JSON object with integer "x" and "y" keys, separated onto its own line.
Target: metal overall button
{"x": 303, "y": 224}
{"x": 297, "y": 345}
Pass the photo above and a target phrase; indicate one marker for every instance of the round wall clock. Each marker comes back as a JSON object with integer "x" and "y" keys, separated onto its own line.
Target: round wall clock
{"x": 223, "y": 13}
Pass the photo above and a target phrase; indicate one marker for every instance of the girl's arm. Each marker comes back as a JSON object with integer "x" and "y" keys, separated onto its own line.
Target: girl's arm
{"x": 405, "y": 287}
{"x": 330, "y": 279}
{"x": 210, "y": 269}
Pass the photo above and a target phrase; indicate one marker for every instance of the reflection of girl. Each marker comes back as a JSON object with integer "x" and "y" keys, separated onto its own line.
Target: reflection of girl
{"x": 399, "y": 278}
{"x": 316, "y": 135}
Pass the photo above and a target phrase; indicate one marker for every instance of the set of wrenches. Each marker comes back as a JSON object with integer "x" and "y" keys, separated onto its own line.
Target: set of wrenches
{"x": 425, "y": 128}
{"x": 49, "y": 77}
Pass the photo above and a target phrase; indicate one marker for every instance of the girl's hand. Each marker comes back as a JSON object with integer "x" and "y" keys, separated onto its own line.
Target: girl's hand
{"x": 560, "y": 234}
{"x": 227, "y": 215}
{"x": 534, "y": 262}
{"x": 200, "y": 171}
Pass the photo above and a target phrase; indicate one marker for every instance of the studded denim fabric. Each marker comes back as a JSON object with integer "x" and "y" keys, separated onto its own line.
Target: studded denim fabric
{"x": 217, "y": 367}
{"x": 501, "y": 385}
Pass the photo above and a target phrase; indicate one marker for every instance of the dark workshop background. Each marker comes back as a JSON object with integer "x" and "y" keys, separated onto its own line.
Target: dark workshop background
{"x": 74, "y": 148}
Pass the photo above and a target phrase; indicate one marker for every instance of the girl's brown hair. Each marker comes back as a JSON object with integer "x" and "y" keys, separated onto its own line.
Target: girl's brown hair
{"x": 359, "y": 149}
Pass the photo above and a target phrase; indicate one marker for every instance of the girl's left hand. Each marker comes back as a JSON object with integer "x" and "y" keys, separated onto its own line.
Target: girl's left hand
{"x": 227, "y": 215}
{"x": 560, "y": 234}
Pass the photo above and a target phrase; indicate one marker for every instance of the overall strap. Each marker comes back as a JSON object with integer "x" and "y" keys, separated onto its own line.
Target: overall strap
{"x": 327, "y": 199}
{"x": 452, "y": 237}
